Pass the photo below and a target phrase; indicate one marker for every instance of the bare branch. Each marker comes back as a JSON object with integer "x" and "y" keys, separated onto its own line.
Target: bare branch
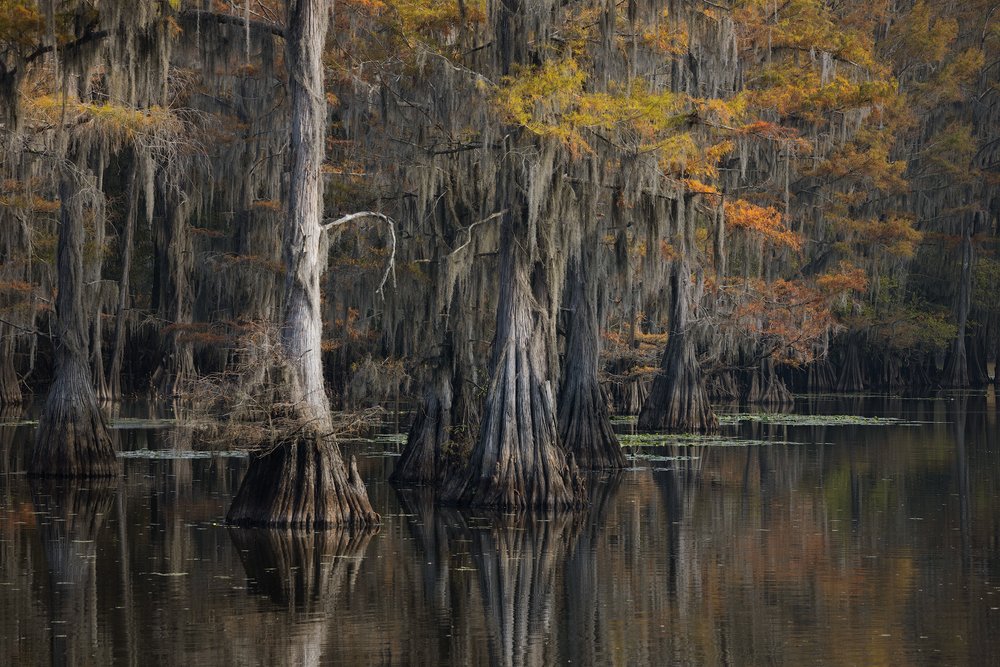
{"x": 391, "y": 266}
{"x": 468, "y": 229}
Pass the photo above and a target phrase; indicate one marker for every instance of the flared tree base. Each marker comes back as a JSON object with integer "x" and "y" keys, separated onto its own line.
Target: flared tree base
{"x": 72, "y": 439}
{"x": 517, "y": 463}
{"x": 302, "y": 483}
{"x": 678, "y": 401}
{"x": 429, "y": 434}
{"x": 766, "y": 388}
{"x": 585, "y": 428}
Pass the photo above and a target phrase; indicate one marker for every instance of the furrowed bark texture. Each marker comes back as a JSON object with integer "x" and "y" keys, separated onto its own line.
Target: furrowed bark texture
{"x": 517, "y": 462}
{"x": 303, "y": 482}
{"x": 72, "y": 439}
{"x": 678, "y": 400}
{"x": 584, "y": 423}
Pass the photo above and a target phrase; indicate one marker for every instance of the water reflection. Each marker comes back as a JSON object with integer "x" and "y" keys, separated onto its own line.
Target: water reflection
{"x": 70, "y": 516}
{"x": 300, "y": 574}
{"x": 856, "y": 545}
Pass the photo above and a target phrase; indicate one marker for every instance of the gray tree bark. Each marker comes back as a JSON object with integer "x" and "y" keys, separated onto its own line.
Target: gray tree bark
{"x": 304, "y": 482}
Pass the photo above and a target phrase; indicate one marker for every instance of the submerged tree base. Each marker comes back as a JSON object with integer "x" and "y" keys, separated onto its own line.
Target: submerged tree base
{"x": 302, "y": 483}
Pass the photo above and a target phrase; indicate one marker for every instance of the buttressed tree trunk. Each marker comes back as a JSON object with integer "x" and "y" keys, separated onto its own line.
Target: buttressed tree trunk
{"x": 303, "y": 482}
{"x": 517, "y": 462}
{"x": 678, "y": 400}
{"x": 72, "y": 439}
{"x": 584, "y": 424}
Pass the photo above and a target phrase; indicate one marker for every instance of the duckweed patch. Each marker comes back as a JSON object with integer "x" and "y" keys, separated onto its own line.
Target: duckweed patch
{"x": 788, "y": 419}
{"x": 170, "y": 454}
{"x": 694, "y": 440}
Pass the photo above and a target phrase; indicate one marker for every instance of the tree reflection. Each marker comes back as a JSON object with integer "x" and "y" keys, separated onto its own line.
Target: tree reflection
{"x": 517, "y": 558}
{"x": 301, "y": 573}
{"x": 71, "y": 515}
{"x": 587, "y": 621}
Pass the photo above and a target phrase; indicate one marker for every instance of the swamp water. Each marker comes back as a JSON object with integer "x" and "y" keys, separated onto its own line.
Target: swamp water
{"x": 795, "y": 539}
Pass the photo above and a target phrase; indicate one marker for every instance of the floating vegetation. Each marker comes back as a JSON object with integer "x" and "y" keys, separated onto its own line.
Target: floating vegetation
{"x": 381, "y": 439}
{"x": 169, "y": 454}
{"x": 785, "y": 419}
{"x": 695, "y": 440}
{"x": 655, "y": 458}
{"x": 378, "y": 455}
{"x": 131, "y": 423}
{"x": 626, "y": 420}
{"x": 25, "y": 422}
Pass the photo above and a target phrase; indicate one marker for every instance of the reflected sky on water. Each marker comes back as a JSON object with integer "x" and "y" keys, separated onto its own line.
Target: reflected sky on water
{"x": 858, "y": 544}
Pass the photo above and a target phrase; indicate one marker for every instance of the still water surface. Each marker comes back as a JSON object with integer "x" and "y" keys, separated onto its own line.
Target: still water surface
{"x": 856, "y": 545}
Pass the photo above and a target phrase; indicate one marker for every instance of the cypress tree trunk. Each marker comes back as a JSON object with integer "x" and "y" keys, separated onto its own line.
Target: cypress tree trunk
{"x": 10, "y": 386}
{"x": 678, "y": 400}
{"x": 584, "y": 424}
{"x": 177, "y": 357}
{"x": 766, "y": 387}
{"x": 517, "y": 462}
{"x": 430, "y": 431}
{"x": 820, "y": 376}
{"x": 114, "y": 380}
{"x": 72, "y": 439}
{"x": 851, "y": 375}
{"x": 303, "y": 482}
{"x": 722, "y": 386}
{"x": 956, "y": 371}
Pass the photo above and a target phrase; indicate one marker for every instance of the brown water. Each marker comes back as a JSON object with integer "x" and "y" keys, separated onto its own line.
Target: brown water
{"x": 859, "y": 545}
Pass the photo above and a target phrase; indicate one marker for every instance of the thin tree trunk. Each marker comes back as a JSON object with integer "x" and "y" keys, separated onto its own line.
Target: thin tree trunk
{"x": 177, "y": 357}
{"x": 678, "y": 400}
{"x": 956, "y": 372}
{"x": 517, "y": 462}
{"x": 584, "y": 423}
{"x": 118, "y": 342}
{"x": 303, "y": 482}
{"x": 95, "y": 305}
{"x": 72, "y": 439}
